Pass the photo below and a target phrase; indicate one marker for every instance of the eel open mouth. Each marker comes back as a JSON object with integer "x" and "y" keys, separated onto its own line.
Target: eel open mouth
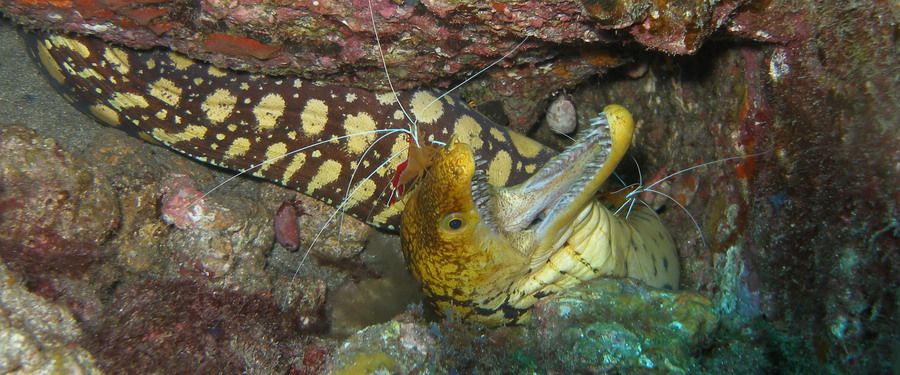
{"x": 559, "y": 186}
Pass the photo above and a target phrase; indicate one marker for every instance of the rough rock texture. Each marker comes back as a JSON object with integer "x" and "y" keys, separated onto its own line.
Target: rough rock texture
{"x": 601, "y": 327}
{"x": 151, "y": 297}
{"x": 199, "y": 330}
{"x": 800, "y": 235}
{"x": 423, "y": 40}
{"x": 517, "y": 96}
{"x": 129, "y": 282}
{"x": 798, "y": 246}
{"x": 395, "y": 347}
{"x": 424, "y": 43}
{"x": 55, "y": 214}
{"x": 37, "y": 336}
{"x": 612, "y": 325}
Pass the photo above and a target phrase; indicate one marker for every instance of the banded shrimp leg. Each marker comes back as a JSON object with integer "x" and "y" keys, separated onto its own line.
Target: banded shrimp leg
{"x": 634, "y": 196}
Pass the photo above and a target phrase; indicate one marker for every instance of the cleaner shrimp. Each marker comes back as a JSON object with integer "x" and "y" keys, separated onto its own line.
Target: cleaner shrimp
{"x": 628, "y": 196}
{"x": 418, "y": 151}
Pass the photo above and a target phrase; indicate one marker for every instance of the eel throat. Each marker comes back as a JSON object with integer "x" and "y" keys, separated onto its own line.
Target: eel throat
{"x": 488, "y": 253}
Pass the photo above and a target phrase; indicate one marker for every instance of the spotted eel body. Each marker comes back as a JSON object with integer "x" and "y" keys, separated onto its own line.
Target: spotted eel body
{"x": 488, "y": 253}
{"x": 237, "y": 120}
{"x": 481, "y": 250}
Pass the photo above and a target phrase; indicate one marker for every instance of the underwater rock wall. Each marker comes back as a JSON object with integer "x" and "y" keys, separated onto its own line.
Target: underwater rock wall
{"x": 80, "y": 213}
{"x": 425, "y": 41}
{"x": 796, "y": 246}
{"x": 430, "y": 43}
{"x": 804, "y": 235}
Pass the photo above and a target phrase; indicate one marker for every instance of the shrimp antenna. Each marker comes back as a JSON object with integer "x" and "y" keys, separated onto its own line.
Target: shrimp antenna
{"x": 279, "y": 157}
{"x": 359, "y": 163}
{"x": 412, "y": 123}
{"x": 331, "y": 218}
{"x": 632, "y": 197}
{"x": 473, "y": 76}
{"x": 661, "y": 180}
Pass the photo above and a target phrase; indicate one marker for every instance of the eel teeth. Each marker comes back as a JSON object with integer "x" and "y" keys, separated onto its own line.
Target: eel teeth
{"x": 599, "y": 134}
{"x": 480, "y": 194}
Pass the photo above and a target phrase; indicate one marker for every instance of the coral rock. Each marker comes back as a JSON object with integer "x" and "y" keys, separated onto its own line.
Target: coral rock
{"x": 36, "y": 336}
{"x": 54, "y": 212}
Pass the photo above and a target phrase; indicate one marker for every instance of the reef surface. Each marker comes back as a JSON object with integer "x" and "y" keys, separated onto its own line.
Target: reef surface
{"x": 795, "y": 250}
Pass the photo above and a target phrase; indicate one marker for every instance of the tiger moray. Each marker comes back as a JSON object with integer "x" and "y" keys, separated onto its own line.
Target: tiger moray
{"x": 482, "y": 250}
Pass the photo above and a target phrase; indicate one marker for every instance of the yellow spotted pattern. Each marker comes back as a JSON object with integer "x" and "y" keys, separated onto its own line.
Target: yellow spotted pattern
{"x": 53, "y": 69}
{"x": 360, "y": 126}
{"x": 238, "y": 148}
{"x": 238, "y": 120}
{"x": 219, "y": 105}
{"x": 362, "y": 191}
{"x": 118, "y": 59}
{"x": 314, "y": 117}
{"x": 274, "y": 152}
{"x": 191, "y": 132}
{"x": 216, "y": 72}
{"x": 179, "y": 61}
{"x": 72, "y": 44}
{"x": 297, "y": 161}
{"x": 499, "y": 169}
{"x": 526, "y": 146}
{"x": 166, "y": 90}
{"x": 105, "y": 114}
{"x": 90, "y": 73}
{"x": 328, "y": 172}
{"x": 268, "y": 111}
{"x": 498, "y": 135}
{"x": 469, "y": 131}
{"x": 494, "y": 271}
{"x": 426, "y": 108}
{"x": 126, "y": 100}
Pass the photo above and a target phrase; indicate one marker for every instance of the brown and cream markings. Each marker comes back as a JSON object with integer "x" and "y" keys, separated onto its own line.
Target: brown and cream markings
{"x": 488, "y": 253}
{"x": 481, "y": 250}
{"x": 240, "y": 120}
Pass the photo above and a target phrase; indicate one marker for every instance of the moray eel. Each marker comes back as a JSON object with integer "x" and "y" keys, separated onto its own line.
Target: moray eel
{"x": 237, "y": 120}
{"x": 482, "y": 250}
{"x": 488, "y": 253}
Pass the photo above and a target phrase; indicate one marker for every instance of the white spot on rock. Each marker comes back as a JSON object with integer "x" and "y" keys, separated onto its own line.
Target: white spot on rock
{"x": 778, "y": 66}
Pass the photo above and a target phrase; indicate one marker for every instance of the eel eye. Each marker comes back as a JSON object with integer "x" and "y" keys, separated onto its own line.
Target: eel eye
{"x": 454, "y": 222}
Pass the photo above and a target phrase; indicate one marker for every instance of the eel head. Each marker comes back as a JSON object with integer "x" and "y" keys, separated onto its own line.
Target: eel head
{"x": 468, "y": 242}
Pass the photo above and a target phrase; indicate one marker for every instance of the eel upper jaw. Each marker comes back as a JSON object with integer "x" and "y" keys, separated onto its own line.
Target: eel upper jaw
{"x": 543, "y": 206}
